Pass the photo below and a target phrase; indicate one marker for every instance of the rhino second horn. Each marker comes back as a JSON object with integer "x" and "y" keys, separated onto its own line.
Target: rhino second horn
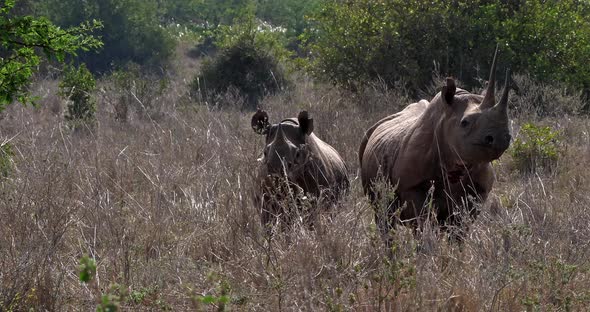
{"x": 489, "y": 99}
{"x": 449, "y": 90}
{"x": 305, "y": 122}
{"x": 502, "y": 106}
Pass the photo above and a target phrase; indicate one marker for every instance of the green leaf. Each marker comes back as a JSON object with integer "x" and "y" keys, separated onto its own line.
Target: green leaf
{"x": 208, "y": 299}
{"x": 21, "y": 36}
{"x": 87, "y": 269}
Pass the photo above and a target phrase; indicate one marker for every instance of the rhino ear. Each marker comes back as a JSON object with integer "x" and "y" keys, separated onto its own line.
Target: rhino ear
{"x": 305, "y": 123}
{"x": 448, "y": 91}
{"x": 260, "y": 122}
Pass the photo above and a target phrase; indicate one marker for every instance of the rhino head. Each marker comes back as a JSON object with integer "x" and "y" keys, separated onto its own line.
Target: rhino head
{"x": 475, "y": 127}
{"x": 285, "y": 150}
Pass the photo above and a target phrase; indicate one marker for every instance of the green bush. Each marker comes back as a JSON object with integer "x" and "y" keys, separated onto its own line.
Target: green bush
{"x": 6, "y": 155}
{"x": 107, "y": 302}
{"x": 131, "y": 33}
{"x": 86, "y": 269}
{"x": 204, "y": 17}
{"x": 221, "y": 295}
{"x": 76, "y": 87}
{"x": 356, "y": 41}
{"x": 222, "y": 12}
{"x": 24, "y": 39}
{"x": 289, "y": 14}
{"x": 136, "y": 89}
{"x": 249, "y": 61}
{"x": 261, "y": 34}
{"x": 535, "y": 148}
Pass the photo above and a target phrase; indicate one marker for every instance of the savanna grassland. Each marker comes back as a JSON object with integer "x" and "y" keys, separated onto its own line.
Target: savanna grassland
{"x": 158, "y": 192}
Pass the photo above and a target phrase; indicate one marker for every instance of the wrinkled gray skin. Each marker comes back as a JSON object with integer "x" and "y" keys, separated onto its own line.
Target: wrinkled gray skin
{"x": 312, "y": 168}
{"x": 444, "y": 148}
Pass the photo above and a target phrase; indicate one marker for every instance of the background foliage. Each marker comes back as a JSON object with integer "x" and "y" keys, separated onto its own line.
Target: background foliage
{"x": 24, "y": 38}
{"x": 356, "y": 41}
{"x": 131, "y": 32}
{"x": 157, "y": 192}
{"x": 76, "y": 87}
{"x": 350, "y": 43}
{"x": 250, "y": 61}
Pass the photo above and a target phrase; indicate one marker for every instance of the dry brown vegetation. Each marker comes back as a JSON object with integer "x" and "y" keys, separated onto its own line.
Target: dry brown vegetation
{"x": 162, "y": 201}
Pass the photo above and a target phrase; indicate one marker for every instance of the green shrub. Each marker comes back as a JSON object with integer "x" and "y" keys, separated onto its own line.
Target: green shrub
{"x": 108, "y": 301}
{"x": 206, "y": 17}
{"x": 536, "y": 147}
{"x": 220, "y": 298}
{"x": 23, "y": 41}
{"x": 261, "y": 34}
{"x": 76, "y": 87}
{"x": 249, "y": 61}
{"x": 6, "y": 155}
{"x": 136, "y": 89}
{"x": 252, "y": 71}
{"x": 287, "y": 13}
{"x": 86, "y": 269}
{"x": 356, "y": 41}
{"x": 131, "y": 33}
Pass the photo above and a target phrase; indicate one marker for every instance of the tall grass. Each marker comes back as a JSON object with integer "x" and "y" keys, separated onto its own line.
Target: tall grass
{"x": 162, "y": 202}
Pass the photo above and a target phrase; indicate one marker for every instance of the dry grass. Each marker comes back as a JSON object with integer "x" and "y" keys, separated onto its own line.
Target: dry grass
{"x": 163, "y": 203}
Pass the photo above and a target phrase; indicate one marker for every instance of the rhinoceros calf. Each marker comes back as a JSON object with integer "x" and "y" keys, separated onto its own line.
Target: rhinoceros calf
{"x": 297, "y": 169}
{"x": 438, "y": 154}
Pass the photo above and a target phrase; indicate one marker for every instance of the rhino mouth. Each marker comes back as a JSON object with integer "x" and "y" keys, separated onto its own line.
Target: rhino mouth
{"x": 493, "y": 149}
{"x": 278, "y": 181}
{"x": 486, "y": 153}
{"x": 499, "y": 153}
{"x": 458, "y": 171}
{"x": 455, "y": 176}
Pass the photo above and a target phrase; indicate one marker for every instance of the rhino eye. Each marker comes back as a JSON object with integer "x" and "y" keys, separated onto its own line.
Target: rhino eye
{"x": 464, "y": 123}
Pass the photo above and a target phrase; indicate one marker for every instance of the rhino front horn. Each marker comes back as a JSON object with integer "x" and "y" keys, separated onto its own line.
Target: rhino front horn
{"x": 448, "y": 91}
{"x": 305, "y": 123}
{"x": 489, "y": 99}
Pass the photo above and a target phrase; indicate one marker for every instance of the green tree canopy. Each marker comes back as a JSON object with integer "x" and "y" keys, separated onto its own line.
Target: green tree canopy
{"x": 23, "y": 41}
{"x": 356, "y": 41}
{"x": 132, "y": 30}
{"x": 287, "y": 13}
{"x": 250, "y": 59}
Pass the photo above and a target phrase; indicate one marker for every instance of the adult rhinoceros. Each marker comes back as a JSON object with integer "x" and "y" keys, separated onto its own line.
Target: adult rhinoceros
{"x": 438, "y": 154}
{"x": 297, "y": 169}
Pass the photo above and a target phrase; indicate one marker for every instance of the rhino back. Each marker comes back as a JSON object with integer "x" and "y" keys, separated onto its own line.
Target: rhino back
{"x": 326, "y": 168}
{"x": 386, "y": 149}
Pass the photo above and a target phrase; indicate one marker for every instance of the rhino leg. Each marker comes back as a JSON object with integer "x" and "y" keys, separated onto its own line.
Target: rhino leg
{"x": 417, "y": 205}
{"x": 275, "y": 210}
{"x": 385, "y": 219}
{"x": 456, "y": 212}
{"x": 407, "y": 208}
